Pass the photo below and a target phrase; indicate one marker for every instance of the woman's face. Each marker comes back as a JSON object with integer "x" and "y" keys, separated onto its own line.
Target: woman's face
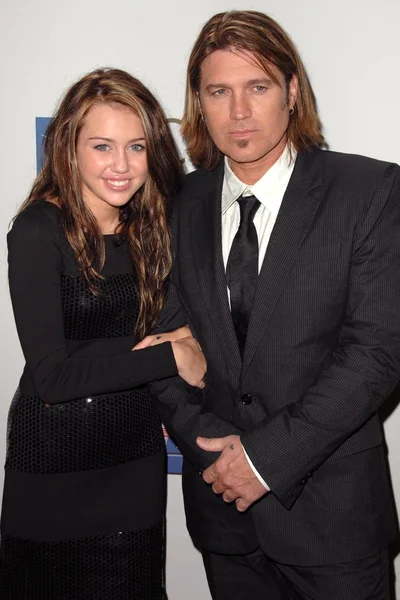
{"x": 112, "y": 159}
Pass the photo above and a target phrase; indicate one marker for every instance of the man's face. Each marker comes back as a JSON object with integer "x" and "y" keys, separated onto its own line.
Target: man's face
{"x": 246, "y": 113}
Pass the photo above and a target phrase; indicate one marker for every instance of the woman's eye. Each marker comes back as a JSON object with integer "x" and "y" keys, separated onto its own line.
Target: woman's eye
{"x": 137, "y": 147}
{"x": 101, "y": 147}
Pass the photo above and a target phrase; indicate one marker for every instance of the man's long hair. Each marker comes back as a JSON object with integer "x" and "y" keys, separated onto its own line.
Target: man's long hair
{"x": 144, "y": 220}
{"x": 258, "y": 34}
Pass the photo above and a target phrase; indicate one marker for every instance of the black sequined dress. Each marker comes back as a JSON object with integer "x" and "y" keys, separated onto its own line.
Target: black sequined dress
{"x": 84, "y": 494}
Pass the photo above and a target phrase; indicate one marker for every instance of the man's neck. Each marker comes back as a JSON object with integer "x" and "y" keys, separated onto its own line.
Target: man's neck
{"x": 252, "y": 172}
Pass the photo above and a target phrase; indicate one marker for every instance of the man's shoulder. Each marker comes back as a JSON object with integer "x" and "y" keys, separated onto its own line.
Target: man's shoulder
{"x": 356, "y": 165}
{"x": 200, "y": 183}
{"x": 201, "y": 177}
{"x": 357, "y": 181}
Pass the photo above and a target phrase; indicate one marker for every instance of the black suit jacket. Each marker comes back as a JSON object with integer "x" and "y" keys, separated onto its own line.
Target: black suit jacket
{"x": 322, "y": 353}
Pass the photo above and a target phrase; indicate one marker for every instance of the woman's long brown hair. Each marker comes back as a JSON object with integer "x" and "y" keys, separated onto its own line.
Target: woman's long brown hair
{"x": 144, "y": 220}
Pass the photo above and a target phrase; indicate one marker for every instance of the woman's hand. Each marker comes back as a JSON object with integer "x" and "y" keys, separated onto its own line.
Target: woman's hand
{"x": 190, "y": 361}
{"x": 160, "y": 338}
{"x": 189, "y": 358}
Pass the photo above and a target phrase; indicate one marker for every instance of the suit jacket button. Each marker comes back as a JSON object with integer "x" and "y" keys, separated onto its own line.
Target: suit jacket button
{"x": 246, "y": 398}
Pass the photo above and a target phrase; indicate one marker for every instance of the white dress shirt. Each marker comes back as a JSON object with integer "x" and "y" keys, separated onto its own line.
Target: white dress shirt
{"x": 269, "y": 190}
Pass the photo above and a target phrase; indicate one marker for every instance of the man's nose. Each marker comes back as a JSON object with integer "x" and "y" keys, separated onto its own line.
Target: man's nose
{"x": 240, "y": 107}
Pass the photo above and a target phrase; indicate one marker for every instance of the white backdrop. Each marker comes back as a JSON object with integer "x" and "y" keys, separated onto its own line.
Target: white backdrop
{"x": 351, "y": 49}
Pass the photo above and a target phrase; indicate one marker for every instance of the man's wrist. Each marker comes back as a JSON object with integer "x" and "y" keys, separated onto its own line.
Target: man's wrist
{"x": 256, "y": 473}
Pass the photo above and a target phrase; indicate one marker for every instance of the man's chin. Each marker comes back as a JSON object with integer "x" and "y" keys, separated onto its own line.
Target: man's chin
{"x": 243, "y": 158}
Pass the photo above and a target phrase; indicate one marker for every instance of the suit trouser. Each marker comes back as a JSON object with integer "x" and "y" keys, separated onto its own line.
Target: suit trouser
{"x": 256, "y": 577}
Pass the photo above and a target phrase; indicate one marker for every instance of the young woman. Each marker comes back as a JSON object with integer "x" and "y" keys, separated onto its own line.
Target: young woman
{"x": 89, "y": 255}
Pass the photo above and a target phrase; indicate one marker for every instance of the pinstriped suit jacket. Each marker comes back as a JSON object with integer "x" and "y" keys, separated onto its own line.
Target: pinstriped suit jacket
{"x": 322, "y": 353}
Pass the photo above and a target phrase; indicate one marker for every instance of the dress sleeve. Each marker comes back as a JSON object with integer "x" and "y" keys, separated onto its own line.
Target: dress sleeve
{"x": 35, "y": 266}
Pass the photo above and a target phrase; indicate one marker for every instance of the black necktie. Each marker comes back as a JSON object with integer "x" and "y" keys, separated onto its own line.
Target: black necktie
{"x": 242, "y": 268}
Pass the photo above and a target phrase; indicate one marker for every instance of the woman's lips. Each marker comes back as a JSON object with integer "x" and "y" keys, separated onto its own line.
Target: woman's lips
{"x": 119, "y": 185}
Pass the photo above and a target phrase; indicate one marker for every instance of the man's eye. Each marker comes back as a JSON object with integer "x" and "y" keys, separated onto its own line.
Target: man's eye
{"x": 260, "y": 88}
{"x": 219, "y": 92}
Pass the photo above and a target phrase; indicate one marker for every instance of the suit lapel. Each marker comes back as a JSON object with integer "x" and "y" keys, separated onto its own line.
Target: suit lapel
{"x": 206, "y": 240}
{"x": 294, "y": 220}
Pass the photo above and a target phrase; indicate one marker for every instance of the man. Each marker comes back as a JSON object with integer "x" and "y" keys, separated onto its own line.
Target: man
{"x": 287, "y": 267}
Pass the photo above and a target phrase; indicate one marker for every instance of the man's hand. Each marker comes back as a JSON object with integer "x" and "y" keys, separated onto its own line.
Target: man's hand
{"x": 231, "y": 474}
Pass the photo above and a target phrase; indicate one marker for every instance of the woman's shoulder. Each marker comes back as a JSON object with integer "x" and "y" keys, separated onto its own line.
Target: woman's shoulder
{"x": 40, "y": 218}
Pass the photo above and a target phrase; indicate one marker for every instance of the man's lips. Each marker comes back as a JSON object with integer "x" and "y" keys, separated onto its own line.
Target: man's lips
{"x": 239, "y": 133}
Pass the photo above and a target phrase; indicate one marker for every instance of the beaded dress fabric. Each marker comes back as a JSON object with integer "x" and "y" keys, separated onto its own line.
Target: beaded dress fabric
{"x": 84, "y": 497}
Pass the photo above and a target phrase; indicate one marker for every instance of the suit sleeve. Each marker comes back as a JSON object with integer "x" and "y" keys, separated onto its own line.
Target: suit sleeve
{"x": 180, "y": 406}
{"x": 35, "y": 266}
{"x": 287, "y": 447}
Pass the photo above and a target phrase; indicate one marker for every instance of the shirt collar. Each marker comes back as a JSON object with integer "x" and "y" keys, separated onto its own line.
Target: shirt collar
{"x": 270, "y": 187}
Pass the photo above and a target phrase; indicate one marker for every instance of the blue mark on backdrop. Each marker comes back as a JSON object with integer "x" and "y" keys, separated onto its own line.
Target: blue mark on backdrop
{"x": 41, "y": 126}
{"x": 174, "y": 456}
